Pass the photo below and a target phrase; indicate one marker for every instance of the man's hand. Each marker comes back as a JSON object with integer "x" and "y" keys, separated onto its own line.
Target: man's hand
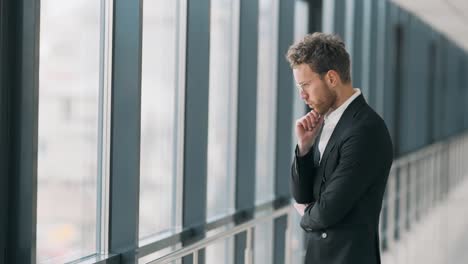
{"x": 307, "y": 128}
{"x": 300, "y": 208}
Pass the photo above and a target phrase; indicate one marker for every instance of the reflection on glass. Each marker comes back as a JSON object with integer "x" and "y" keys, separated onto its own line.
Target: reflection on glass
{"x": 221, "y": 119}
{"x": 266, "y": 99}
{"x": 158, "y": 117}
{"x": 68, "y": 129}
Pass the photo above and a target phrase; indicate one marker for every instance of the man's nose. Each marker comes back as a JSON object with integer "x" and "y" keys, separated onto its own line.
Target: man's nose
{"x": 303, "y": 95}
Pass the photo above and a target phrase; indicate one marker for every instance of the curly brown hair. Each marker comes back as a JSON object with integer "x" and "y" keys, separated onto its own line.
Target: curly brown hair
{"x": 322, "y": 52}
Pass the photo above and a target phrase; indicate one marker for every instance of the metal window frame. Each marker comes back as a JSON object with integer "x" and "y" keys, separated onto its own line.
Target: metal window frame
{"x": 372, "y": 59}
{"x": 5, "y": 87}
{"x": 196, "y": 122}
{"x": 381, "y": 64}
{"x": 180, "y": 116}
{"x": 23, "y": 32}
{"x": 357, "y": 48}
{"x": 339, "y": 17}
{"x": 105, "y": 99}
{"x": 315, "y": 15}
{"x": 366, "y": 47}
{"x": 125, "y": 130}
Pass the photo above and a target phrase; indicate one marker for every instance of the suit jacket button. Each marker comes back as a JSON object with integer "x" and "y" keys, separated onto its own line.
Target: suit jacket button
{"x": 324, "y": 235}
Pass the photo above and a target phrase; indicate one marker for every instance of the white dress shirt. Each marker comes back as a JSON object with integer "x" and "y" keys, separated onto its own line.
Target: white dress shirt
{"x": 331, "y": 120}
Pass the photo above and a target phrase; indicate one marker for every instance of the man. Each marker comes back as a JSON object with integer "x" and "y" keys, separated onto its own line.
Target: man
{"x": 342, "y": 158}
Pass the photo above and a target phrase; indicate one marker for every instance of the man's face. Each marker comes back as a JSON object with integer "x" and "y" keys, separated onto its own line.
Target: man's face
{"x": 314, "y": 91}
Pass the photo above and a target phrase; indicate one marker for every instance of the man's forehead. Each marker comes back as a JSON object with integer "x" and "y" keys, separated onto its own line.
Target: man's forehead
{"x": 304, "y": 71}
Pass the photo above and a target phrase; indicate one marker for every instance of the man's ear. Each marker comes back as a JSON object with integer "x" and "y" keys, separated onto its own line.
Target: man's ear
{"x": 332, "y": 78}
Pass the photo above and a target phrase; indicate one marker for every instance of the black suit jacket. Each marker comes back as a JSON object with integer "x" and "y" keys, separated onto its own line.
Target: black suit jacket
{"x": 345, "y": 190}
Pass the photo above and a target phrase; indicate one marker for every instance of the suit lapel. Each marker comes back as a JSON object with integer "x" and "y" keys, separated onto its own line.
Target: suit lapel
{"x": 343, "y": 124}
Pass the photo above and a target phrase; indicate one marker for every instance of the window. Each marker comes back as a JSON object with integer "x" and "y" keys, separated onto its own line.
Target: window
{"x": 266, "y": 99}
{"x": 263, "y": 242}
{"x": 69, "y": 135}
{"x": 224, "y": 24}
{"x": 266, "y": 123}
{"x": 163, "y": 56}
{"x": 301, "y": 18}
{"x": 222, "y": 118}
{"x": 221, "y": 251}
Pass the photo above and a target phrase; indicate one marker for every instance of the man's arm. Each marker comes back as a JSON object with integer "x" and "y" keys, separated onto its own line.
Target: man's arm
{"x": 354, "y": 174}
{"x": 302, "y": 177}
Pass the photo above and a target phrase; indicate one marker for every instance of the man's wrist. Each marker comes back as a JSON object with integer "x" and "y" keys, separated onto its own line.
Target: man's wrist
{"x": 302, "y": 150}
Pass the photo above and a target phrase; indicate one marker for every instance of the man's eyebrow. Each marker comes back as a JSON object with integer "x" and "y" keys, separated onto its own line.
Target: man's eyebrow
{"x": 302, "y": 83}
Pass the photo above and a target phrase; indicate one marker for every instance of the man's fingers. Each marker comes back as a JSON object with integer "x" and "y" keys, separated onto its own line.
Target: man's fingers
{"x": 307, "y": 123}
{"x": 314, "y": 114}
{"x": 302, "y": 122}
{"x": 312, "y": 122}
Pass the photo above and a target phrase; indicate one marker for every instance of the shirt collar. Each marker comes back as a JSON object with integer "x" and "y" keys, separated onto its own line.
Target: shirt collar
{"x": 335, "y": 115}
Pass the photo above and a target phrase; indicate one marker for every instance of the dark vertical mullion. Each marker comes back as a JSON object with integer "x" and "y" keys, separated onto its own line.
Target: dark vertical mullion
{"x": 356, "y": 53}
{"x": 366, "y": 48}
{"x": 461, "y": 92}
{"x": 315, "y": 15}
{"x": 24, "y": 131}
{"x": 437, "y": 102}
{"x": 4, "y": 141}
{"x": 452, "y": 89}
{"x": 125, "y": 130}
{"x": 465, "y": 87}
{"x": 196, "y": 121}
{"x": 339, "y": 18}
{"x": 412, "y": 126}
{"x": 389, "y": 60}
{"x": 246, "y": 114}
{"x": 283, "y": 122}
{"x": 381, "y": 65}
{"x": 373, "y": 86}
{"x": 445, "y": 88}
{"x": 431, "y": 74}
{"x": 4, "y": 129}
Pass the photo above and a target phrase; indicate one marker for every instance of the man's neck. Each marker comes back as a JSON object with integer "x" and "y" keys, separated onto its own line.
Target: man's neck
{"x": 343, "y": 94}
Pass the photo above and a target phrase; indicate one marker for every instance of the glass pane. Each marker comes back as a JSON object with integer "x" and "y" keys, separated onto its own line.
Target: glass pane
{"x": 159, "y": 127}
{"x": 301, "y": 10}
{"x": 221, "y": 251}
{"x": 159, "y": 254}
{"x": 263, "y": 243}
{"x": 298, "y": 245}
{"x": 266, "y": 99}
{"x": 69, "y": 86}
{"x": 222, "y": 109}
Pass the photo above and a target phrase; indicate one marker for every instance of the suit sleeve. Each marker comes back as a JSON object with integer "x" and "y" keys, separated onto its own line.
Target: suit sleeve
{"x": 302, "y": 177}
{"x": 355, "y": 172}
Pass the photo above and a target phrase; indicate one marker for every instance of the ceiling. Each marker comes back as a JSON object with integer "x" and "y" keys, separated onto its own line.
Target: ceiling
{"x": 449, "y": 17}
